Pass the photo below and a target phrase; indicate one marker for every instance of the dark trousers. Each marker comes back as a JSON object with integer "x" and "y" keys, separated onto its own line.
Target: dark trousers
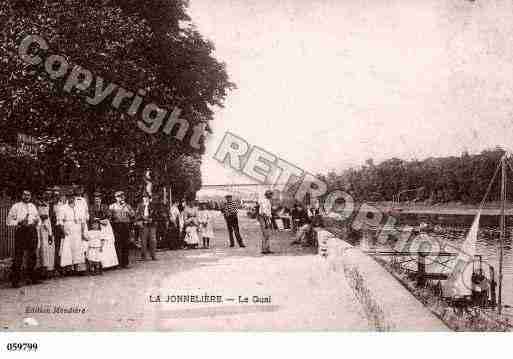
{"x": 148, "y": 235}
{"x": 273, "y": 223}
{"x": 233, "y": 227}
{"x": 58, "y": 235}
{"x": 122, "y": 235}
{"x": 25, "y": 240}
{"x": 175, "y": 241}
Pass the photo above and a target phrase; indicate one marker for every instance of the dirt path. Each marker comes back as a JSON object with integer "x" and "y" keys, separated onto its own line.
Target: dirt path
{"x": 297, "y": 292}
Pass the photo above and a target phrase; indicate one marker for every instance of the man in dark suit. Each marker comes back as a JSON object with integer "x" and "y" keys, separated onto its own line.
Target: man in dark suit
{"x": 304, "y": 226}
{"x": 147, "y": 218}
{"x": 121, "y": 214}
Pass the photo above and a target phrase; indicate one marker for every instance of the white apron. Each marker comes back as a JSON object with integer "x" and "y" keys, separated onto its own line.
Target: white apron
{"x": 72, "y": 250}
{"x": 109, "y": 257}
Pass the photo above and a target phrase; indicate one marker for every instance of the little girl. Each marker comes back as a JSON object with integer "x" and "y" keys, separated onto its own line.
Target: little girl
{"x": 205, "y": 218}
{"x": 95, "y": 240}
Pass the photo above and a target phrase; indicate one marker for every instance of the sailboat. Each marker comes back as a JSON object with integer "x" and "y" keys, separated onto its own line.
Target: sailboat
{"x": 461, "y": 278}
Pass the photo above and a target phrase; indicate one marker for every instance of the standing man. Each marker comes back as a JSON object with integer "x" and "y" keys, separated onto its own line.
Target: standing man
{"x": 121, "y": 214}
{"x": 147, "y": 219}
{"x": 264, "y": 217}
{"x": 232, "y": 222}
{"x": 25, "y": 218}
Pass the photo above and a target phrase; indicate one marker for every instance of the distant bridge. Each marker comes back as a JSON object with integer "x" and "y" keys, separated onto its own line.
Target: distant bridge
{"x": 250, "y": 191}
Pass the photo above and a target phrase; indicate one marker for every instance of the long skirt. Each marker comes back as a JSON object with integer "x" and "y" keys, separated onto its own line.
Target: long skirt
{"x": 46, "y": 250}
{"x": 109, "y": 257}
{"x": 72, "y": 249}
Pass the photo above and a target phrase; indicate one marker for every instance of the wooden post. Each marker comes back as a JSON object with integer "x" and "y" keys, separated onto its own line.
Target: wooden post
{"x": 493, "y": 284}
{"x": 421, "y": 269}
{"x": 502, "y": 227}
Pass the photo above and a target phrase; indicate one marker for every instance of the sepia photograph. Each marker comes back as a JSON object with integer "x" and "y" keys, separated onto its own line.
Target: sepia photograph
{"x": 255, "y": 166}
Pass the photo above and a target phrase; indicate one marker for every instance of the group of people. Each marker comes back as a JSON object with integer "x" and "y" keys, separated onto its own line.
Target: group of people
{"x": 63, "y": 235}
{"x": 299, "y": 219}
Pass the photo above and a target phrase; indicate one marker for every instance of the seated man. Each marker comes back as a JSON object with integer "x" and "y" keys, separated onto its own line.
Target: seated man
{"x": 285, "y": 217}
{"x": 304, "y": 226}
{"x": 294, "y": 214}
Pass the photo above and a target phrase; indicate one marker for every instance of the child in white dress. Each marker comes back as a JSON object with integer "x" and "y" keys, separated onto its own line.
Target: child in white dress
{"x": 205, "y": 217}
{"x": 95, "y": 239}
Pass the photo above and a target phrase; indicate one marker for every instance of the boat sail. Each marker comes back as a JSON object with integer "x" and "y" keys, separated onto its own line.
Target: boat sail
{"x": 459, "y": 282}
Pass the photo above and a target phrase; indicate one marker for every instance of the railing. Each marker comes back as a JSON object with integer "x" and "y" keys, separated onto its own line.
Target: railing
{"x": 6, "y": 233}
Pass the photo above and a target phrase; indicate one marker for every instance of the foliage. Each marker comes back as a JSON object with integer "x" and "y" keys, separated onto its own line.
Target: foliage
{"x": 149, "y": 45}
{"x": 434, "y": 180}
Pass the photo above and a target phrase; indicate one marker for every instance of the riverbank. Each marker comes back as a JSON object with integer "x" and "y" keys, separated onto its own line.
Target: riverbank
{"x": 451, "y": 208}
{"x": 463, "y": 319}
{"x": 457, "y": 319}
{"x": 387, "y": 305}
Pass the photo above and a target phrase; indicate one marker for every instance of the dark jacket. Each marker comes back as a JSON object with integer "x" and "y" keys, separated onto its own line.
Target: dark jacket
{"x": 301, "y": 215}
{"x": 155, "y": 214}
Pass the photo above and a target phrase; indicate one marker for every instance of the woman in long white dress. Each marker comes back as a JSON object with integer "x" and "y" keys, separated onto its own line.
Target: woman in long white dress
{"x": 72, "y": 250}
{"x": 109, "y": 257}
{"x": 45, "y": 235}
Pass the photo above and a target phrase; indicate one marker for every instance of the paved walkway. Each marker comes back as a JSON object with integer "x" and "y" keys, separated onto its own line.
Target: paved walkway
{"x": 299, "y": 293}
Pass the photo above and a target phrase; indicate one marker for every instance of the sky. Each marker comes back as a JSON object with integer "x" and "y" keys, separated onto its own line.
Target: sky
{"x": 327, "y": 84}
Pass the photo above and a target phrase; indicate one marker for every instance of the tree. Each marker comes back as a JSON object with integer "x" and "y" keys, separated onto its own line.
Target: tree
{"x": 444, "y": 179}
{"x": 148, "y": 45}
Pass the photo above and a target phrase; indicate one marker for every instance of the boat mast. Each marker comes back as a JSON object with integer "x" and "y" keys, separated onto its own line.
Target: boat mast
{"x": 502, "y": 227}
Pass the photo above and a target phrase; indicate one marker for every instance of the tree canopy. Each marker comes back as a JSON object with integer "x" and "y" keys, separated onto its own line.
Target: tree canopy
{"x": 137, "y": 45}
{"x": 434, "y": 180}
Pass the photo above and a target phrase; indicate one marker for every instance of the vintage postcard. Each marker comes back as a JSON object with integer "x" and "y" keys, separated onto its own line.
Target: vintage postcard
{"x": 272, "y": 165}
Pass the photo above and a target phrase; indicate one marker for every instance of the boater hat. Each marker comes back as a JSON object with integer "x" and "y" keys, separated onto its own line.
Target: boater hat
{"x": 119, "y": 193}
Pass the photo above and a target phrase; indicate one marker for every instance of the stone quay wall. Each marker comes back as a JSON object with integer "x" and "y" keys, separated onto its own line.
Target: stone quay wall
{"x": 387, "y": 304}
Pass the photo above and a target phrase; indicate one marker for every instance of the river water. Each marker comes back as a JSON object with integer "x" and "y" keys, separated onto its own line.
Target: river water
{"x": 450, "y": 240}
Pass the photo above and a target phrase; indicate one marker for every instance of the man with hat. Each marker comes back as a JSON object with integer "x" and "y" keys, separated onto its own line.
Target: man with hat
{"x": 99, "y": 210}
{"x": 122, "y": 215}
{"x": 24, "y": 217}
{"x": 232, "y": 222}
{"x": 147, "y": 218}
{"x": 264, "y": 217}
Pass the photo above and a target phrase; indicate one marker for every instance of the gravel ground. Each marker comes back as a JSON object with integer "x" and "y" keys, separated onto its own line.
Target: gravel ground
{"x": 294, "y": 290}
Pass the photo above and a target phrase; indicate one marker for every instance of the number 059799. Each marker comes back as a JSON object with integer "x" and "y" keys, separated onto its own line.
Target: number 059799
{"x": 21, "y": 347}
